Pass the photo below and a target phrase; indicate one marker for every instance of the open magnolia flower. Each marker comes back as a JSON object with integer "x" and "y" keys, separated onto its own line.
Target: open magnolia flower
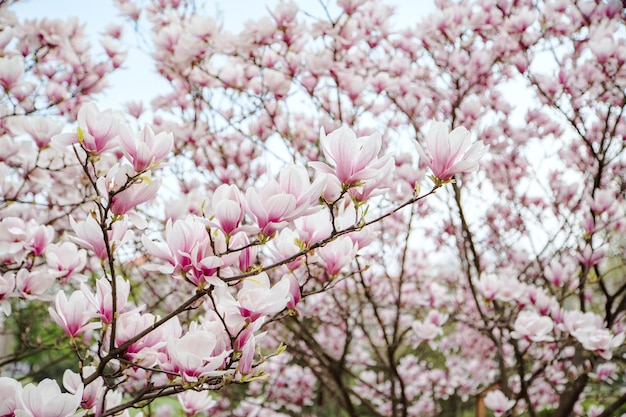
{"x": 450, "y": 153}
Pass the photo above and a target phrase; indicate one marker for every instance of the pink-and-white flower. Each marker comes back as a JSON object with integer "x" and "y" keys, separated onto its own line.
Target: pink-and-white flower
{"x": 337, "y": 254}
{"x": 351, "y": 159}
{"x": 498, "y": 402}
{"x": 65, "y": 259}
{"x": 40, "y": 129}
{"x": 450, "y": 153}
{"x": 145, "y": 149}
{"x": 11, "y": 70}
{"x": 102, "y": 302}
{"x": 195, "y": 402}
{"x": 47, "y": 400}
{"x": 194, "y": 355}
{"x": 229, "y": 207}
{"x": 89, "y": 235}
{"x": 279, "y": 202}
{"x": 147, "y": 349}
{"x": 73, "y": 383}
{"x": 257, "y": 298}
{"x": 189, "y": 251}
{"x": 97, "y": 131}
{"x": 138, "y": 193}
{"x": 10, "y": 390}
{"x": 73, "y": 315}
{"x": 531, "y": 326}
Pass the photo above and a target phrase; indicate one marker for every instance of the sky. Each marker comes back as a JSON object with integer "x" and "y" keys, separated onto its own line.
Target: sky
{"x": 137, "y": 80}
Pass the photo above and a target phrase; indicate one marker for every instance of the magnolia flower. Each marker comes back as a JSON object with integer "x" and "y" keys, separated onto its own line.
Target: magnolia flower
{"x": 145, "y": 149}
{"x": 65, "y": 259}
{"x": 256, "y": 297}
{"x": 11, "y": 70}
{"x": 498, "y": 402}
{"x": 195, "y": 402}
{"x": 73, "y": 382}
{"x": 189, "y": 251}
{"x": 46, "y": 400}
{"x": 102, "y": 301}
{"x": 426, "y": 331}
{"x": 9, "y": 391}
{"x": 600, "y": 341}
{"x": 531, "y": 326}
{"x": 194, "y": 355}
{"x": 97, "y": 131}
{"x": 7, "y": 285}
{"x": 73, "y": 314}
{"x": 137, "y": 193}
{"x": 33, "y": 284}
{"x": 350, "y": 158}
{"x": 229, "y": 207}
{"x": 489, "y": 286}
{"x": 277, "y": 203}
{"x": 145, "y": 350}
{"x": 337, "y": 254}
{"x": 89, "y": 235}
{"x": 41, "y": 129}
{"x": 450, "y": 153}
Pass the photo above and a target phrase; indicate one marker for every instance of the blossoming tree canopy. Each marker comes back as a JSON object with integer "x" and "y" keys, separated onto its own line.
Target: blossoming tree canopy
{"x": 320, "y": 215}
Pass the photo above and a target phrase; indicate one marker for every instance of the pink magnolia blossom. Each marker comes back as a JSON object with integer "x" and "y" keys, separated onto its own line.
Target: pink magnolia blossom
{"x": 256, "y": 298}
{"x": 510, "y": 288}
{"x": 246, "y": 343}
{"x": 294, "y": 292}
{"x": 489, "y": 286}
{"x": 600, "y": 341}
{"x": 595, "y": 410}
{"x": 11, "y": 70}
{"x": 73, "y": 315}
{"x": 498, "y": 402}
{"x": 7, "y": 288}
{"x": 138, "y": 193}
{"x": 194, "y": 355}
{"x": 13, "y": 237}
{"x": 102, "y": 302}
{"x": 531, "y": 326}
{"x": 145, "y": 149}
{"x": 426, "y": 331}
{"x": 40, "y": 237}
{"x": 189, "y": 251}
{"x": 73, "y": 383}
{"x": 229, "y": 207}
{"x": 576, "y": 322}
{"x": 33, "y": 284}
{"x": 337, "y": 254}
{"x": 451, "y": 153}
{"x": 247, "y": 256}
{"x": 195, "y": 402}
{"x": 285, "y": 245}
{"x": 148, "y": 348}
{"x": 124, "y": 190}
{"x": 10, "y": 391}
{"x": 589, "y": 257}
{"x": 97, "y": 131}
{"x": 65, "y": 259}
{"x": 294, "y": 180}
{"x": 89, "y": 235}
{"x": 276, "y": 203}
{"x": 46, "y": 400}
{"x": 40, "y": 129}
{"x": 352, "y": 160}
{"x": 314, "y": 227}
